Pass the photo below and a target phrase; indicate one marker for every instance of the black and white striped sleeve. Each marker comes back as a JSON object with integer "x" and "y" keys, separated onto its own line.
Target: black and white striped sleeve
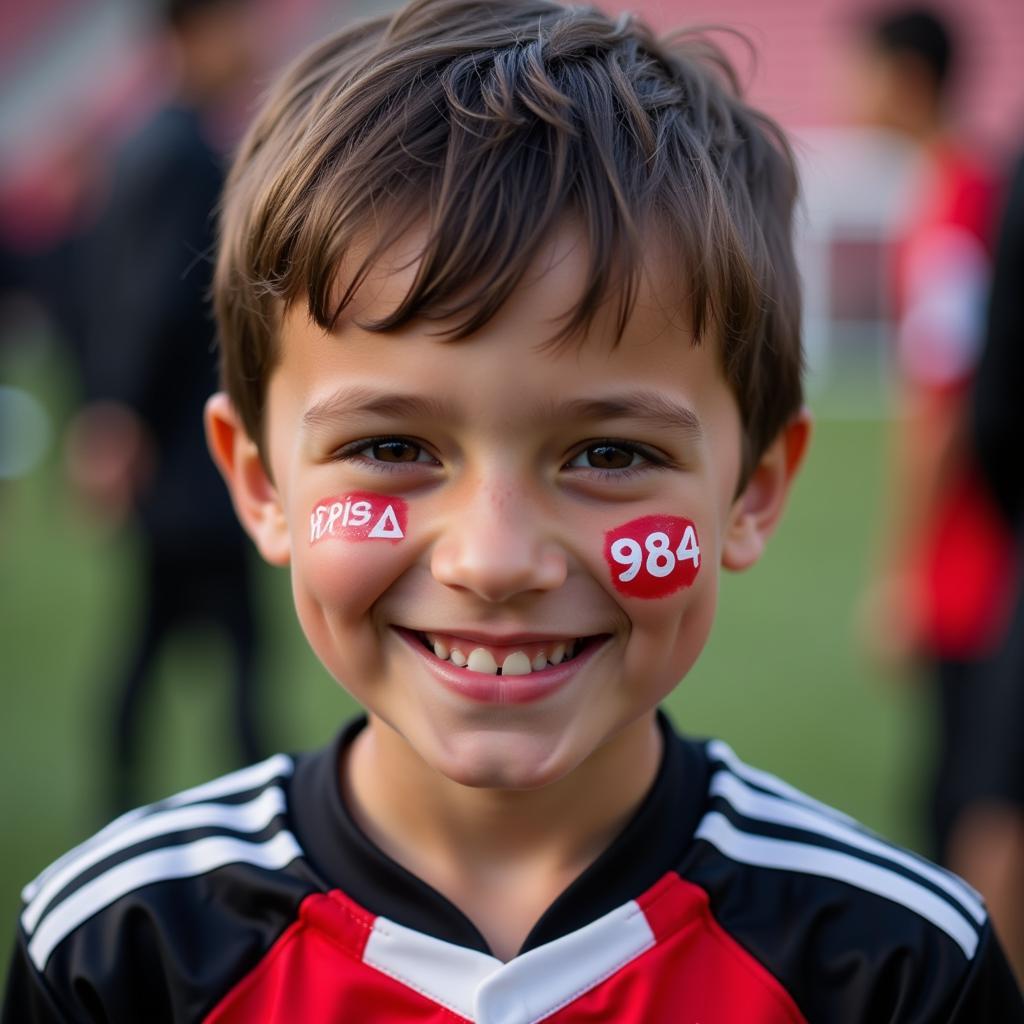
{"x": 855, "y": 928}
{"x": 154, "y": 917}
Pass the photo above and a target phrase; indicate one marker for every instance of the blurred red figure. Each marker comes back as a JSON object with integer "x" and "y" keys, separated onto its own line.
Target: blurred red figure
{"x": 136, "y": 452}
{"x": 991, "y": 846}
{"x": 941, "y": 590}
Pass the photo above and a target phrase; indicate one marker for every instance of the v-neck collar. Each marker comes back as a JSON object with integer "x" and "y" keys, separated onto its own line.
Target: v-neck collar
{"x": 651, "y": 843}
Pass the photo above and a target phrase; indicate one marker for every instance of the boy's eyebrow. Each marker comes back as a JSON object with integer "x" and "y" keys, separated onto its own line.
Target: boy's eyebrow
{"x": 357, "y": 400}
{"x": 648, "y": 406}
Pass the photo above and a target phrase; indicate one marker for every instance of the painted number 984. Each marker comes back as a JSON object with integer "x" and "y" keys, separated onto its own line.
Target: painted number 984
{"x": 653, "y": 556}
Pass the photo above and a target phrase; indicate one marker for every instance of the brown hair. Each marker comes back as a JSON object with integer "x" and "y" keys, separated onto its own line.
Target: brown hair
{"x": 491, "y": 121}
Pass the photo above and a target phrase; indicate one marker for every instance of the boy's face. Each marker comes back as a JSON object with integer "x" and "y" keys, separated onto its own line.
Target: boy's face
{"x": 892, "y": 91}
{"x": 507, "y": 464}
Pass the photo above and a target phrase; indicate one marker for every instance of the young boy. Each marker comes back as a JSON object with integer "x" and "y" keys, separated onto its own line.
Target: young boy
{"x": 510, "y": 337}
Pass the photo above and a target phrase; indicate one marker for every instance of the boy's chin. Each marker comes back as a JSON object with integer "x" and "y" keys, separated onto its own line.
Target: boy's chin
{"x": 502, "y": 761}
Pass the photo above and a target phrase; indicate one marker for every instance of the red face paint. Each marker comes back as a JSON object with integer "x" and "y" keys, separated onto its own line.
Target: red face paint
{"x": 652, "y": 556}
{"x": 359, "y": 516}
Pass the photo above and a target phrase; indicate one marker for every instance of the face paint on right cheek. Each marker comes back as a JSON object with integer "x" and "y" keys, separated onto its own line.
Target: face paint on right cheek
{"x": 359, "y": 516}
{"x": 653, "y": 556}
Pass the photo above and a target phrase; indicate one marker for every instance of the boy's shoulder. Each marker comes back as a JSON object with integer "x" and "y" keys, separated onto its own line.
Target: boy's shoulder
{"x": 159, "y": 909}
{"x": 850, "y": 925}
{"x": 731, "y": 896}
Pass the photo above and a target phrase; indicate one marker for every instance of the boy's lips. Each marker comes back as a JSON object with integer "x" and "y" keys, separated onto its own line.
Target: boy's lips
{"x": 503, "y": 673}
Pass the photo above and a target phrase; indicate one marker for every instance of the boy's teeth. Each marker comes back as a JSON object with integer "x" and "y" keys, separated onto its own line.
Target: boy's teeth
{"x": 485, "y": 660}
{"x": 517, "y": 664}
{"x": 481, "y": 660}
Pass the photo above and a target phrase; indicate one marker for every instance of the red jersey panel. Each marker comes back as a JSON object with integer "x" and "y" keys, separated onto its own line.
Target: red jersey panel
{"x": 672, "y": 964}
{"x": 695, "y": 972}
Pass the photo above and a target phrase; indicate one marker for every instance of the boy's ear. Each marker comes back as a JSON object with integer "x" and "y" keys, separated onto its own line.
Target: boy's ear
{"x": 254, "y": 495}
{"x": 756, "y": 512}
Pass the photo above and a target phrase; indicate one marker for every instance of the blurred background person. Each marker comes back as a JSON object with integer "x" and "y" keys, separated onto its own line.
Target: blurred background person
{"x": 989, "y": 844}
{"x": 136, "y": 450}
{"x": 943, "y": 573}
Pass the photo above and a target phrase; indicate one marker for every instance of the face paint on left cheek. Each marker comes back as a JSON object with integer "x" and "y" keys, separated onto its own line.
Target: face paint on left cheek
{"x": 359, "y": 516}
{"x": 652, "y": 556}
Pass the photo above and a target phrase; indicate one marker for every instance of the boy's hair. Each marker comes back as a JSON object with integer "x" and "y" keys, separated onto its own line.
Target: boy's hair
{"x": 918, "y": 32}
{"x": 176, "y": 14}
{"x": 491, "y": 123}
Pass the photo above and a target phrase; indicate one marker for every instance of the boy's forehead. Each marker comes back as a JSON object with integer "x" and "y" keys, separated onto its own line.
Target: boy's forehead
{"x": 654, "y": 372}
{"x": 557, "y": 278}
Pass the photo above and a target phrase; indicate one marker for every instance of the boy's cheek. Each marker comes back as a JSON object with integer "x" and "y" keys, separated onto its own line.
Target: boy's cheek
{"x": 665, "y": 642}
{"x": 354, "y": 546}
{"x": 659, "y": 573}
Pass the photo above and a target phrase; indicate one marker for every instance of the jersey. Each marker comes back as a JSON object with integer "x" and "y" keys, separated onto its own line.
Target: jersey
{"x": 729, "y": 898}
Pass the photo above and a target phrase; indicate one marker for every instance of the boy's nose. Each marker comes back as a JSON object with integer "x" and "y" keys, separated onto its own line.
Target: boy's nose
{"x": 497, "y": 548}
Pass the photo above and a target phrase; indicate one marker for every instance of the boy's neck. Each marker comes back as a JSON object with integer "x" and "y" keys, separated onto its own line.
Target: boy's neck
{"x": 501, "y": 856}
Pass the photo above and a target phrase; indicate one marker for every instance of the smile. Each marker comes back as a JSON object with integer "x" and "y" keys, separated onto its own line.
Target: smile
{"x": 515, "y": 658}
{"x": 503, "y": 670}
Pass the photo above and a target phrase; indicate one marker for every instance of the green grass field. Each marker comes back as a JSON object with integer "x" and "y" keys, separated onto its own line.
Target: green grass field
{"x": 780, "y": 679}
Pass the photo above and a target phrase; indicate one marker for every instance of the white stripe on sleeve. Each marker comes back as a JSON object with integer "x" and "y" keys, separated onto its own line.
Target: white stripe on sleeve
{"x": 250, "y": 777}
{"x": 754, "y": 804}
{"x": 248, "y": 817}
{"x": 190, "y": 860}
{"x": 806, "y": 858}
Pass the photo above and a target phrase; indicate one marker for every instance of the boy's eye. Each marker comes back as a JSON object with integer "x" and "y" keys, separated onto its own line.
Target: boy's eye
{"x": 606, "y": 456}
{"x": 384, "y": 452}
{"x": 395, "y": 450}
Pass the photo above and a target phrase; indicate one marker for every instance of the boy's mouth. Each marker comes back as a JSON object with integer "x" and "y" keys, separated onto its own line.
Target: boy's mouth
{"x": 510, "y": 659}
